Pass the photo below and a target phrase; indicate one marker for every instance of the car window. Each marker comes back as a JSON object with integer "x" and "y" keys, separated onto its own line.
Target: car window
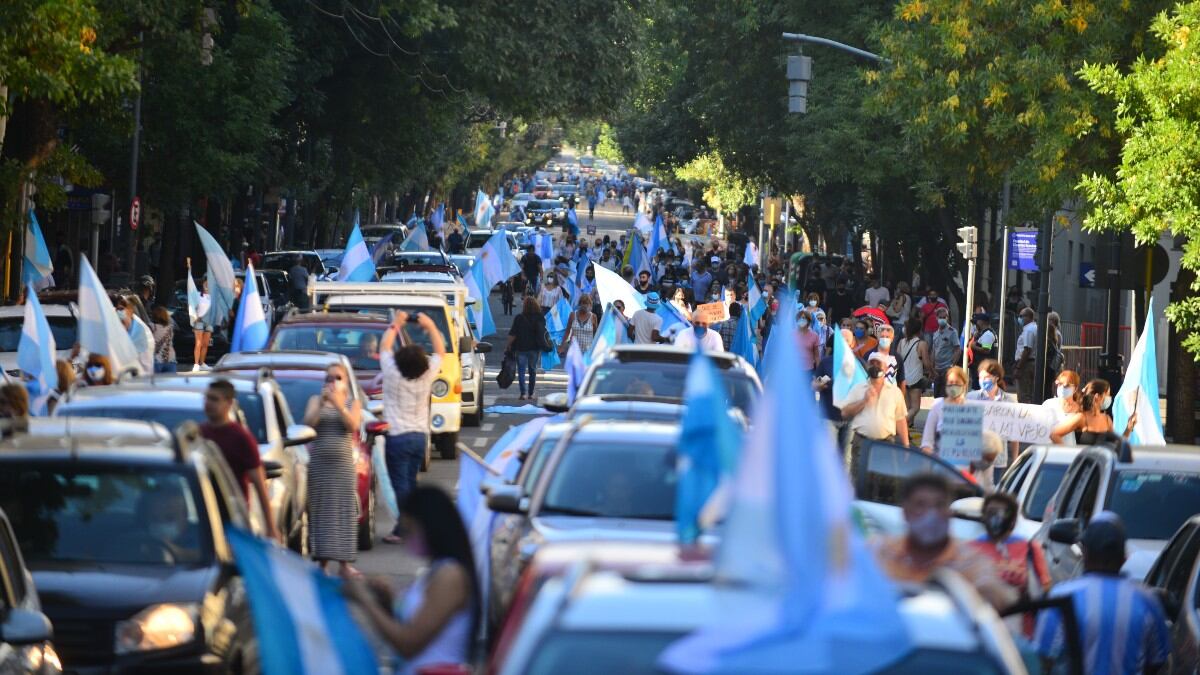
{"x": 1154, "y": 504}
{"x": 600, "y": 652}
{"x": 1086, "y": 505}
{"x": 70, "y": 513}
{"x": 1073, "y": 486}
{"x": 888, "y": 466}
{"x": 360, "y": 345}
{"x": 1181, "y": 572}
{"x": 535, "y": 461}
{"x": 1042, "y": 488}
{"x": 665, "y": 380}
{"x": 298, "y": 391}
{"x": 1015, "y": 475}
{"x": 613, "y": 480}
{"x": 170, "y": 418}
{"x": 61, "y": 327}
{"x": 10, "y": 568}
{"x": 231, "y": 501}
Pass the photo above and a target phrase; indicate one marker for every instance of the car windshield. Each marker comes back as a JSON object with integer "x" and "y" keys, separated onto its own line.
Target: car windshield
{"x": 359, "y": 344}
{"x": 378, "y": 232}
{"x": 614, "y": 480}
{"x": 278, "y": 283}
{"x": 478, "y": 239}
{"x": 665, "y": 380}
{"x": 1045, "y": 484}
{"x": 542, "y": 205}
{"x": 284, "y": 261}
{"x": 407, "y": 259}
{"x": 124, "y": 514}
{"x": 523, "y": 197}
{"x": 1154, "y": 504}
{"x": 61, "y": 327}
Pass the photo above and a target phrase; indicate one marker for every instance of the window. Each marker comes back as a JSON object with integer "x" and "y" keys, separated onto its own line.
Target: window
{"x": 1041, "y": 491}
{"x": 1068, "y": 498}
{"x": 535, "y": 461}
{"x": 10, "y": 568}
{"x": 612, "y": 480}
{"x": 664, "y": 380}
{"x": 1181, "y": 572}
{"x": 887, "y": 467}
{"x": 360, "y": 345}
{"x": 1013, "y": 478}
{"x": 1154, "y": 504}
{"x": 61, "y": 327}
{"x": 168, "y": 417}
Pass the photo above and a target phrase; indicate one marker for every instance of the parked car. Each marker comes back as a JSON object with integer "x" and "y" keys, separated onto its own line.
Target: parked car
{"x": 1032, "y": 480}
{"x": 1154, "y": 491}
{"x": 478, "y": 238}
{"x": 373, "y": 233}
{"x": 354, "y": 336}
{"x": 283, "y": 260}
{"x": 124, "y": 531}
{"x": 628, "y": 369}
{"x": 546, "y": 212}
{"x": 1176, "y": 577}
{"x": 25, "y": 646}
{"x": 12, "y": 321}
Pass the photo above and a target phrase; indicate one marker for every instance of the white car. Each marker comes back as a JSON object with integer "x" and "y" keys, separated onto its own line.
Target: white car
{"x": 520, "y": 201}
{"x": 478, "y": 238}
{"x": 12, "y": 319}
{"x": 657, "y": 373}
{"x": 1032, "y": 480}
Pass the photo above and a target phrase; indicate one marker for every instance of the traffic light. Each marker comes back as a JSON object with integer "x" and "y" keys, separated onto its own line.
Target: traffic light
{"x": 968, "y": 245}
{"x": 101, "y": 213}
{"x": 799, "y": 72}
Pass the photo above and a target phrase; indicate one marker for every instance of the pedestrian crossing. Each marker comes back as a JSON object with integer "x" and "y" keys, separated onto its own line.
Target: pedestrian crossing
{"x": 551, "y": 377}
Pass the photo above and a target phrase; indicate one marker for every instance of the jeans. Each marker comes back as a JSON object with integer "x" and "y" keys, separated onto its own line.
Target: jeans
{"x": 403, "y": 454}
{"x": 528, "y": 361}
{"x": 165, "y": 367}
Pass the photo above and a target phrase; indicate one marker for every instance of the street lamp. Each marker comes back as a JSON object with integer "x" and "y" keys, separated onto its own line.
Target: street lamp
{"x": 968, "y": 246}
{"x": 799, "y": 68}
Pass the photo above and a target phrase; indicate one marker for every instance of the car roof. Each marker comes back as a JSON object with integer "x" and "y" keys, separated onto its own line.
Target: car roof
{"x": 49, "y": 310}
{"x": 189, "y": 381}
{"x": 1164, "y": 457}
{"x": 325, "y": 318}
{"x": 279, "y": 360}
{"x": 386, "y": 299}
{"x": 279, "y": 253}
{"x": 418, "y": 277}
{"x": 632, "y": 353}
{"x": 61, "y": 438}
{"x": 145, "y": 395}
{"x": 627, "y": 431}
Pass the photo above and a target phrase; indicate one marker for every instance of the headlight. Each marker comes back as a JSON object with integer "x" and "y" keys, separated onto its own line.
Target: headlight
{"x": 157, "y": 627}
{"x": 438, "y": 421}
{"x": 468, "y": 372}
{"x": 440, "y": 388}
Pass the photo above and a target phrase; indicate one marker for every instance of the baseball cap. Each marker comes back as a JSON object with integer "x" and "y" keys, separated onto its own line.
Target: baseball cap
{"x": 715, "y": 259}
{"x": 652, "y": 300}
{"x": 1104, "y": 536}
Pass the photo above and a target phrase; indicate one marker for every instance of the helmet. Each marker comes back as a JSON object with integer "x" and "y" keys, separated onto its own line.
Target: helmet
{"x": 146, "y": 281}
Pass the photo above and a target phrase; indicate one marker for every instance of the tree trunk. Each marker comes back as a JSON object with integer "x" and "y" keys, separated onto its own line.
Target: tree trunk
{"x": 174, "y": 222}
{"x": 1181, "y": 368}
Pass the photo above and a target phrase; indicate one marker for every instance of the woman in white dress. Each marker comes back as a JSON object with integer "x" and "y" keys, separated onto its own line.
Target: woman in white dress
{"x": 1066, "y": 400}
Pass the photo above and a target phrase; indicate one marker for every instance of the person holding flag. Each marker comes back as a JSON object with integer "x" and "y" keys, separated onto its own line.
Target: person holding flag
{"x": 1091, "y": 425}
{"x": 35, "y": 354}
{"x": 37, "y": 270}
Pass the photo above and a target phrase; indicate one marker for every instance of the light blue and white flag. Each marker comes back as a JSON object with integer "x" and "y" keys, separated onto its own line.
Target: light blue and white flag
{"x": 609, "y": 333}
{"x": 636, "y": 256}
{"x": 708, "y": 446}
{"x": 36, "y": 352}
{"x": 576, "y": 369}
{"x": 438, "y": 219}
{"x": 417, "y": 240}
{"x": 1139, "y": 391}
{"x": 601, "y": 195}
{"x": 496, "y": 260}
{"x": 545, "y": 249}
{"x": 848, "y": 372}
{"x": 751, "y": 256}
{"x": 816, "y": 600}
{"x": 462, "y": 222}
{"x": 573, "y": 221}
{"x": 483, "y": 210}
{"x": 642, "y": 225}
{"x": 481, "y": 311}
{"x": 193, "y": 299}
{"x": 611, "y": 287}
{"x": 557, "y": 320}
{"x": 220, "y": 279}
{"x": 356, "y": 261}
{"x": 672, "y": 315}
{"x": 100, "y": 329}
{"x": 743, "y": 341}
{"x": 251, "y": 331}
{"x": 38, "y": 270}
{"x": 757, "y": 301}
{"x": 301, "y": 619}
{"x": 380, "y": 249}
{"x": 659, "y": 241}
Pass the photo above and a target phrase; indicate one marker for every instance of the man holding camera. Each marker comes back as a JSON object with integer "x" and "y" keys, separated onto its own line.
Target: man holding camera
{"x": 875, "y": 411}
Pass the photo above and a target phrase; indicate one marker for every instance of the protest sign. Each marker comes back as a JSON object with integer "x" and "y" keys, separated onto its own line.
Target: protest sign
{"x": 713, "y": 312}
{"x": 962, "y": 433}
{"x": 1021, "y": 422}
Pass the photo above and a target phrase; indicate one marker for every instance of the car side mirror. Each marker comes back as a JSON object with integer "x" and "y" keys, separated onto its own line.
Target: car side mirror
{"x": 465, "y": 344}
{"x": 25, "y": 627}
{"x": 505, "y": 499}
{"x": 556, "y": 402}
{"x": 1065, "y": 531}
{"x": 482, "y": 347}
{"x": 376, "y": 428}
{"x": 968, "y": 508}
{"x": 272, "y": 468}
{"x": 299, "y": 434}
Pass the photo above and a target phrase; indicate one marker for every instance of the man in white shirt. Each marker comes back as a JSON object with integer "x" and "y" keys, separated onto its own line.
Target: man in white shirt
{"x": 877, "y": 294}
{"x": 645, "y": 324}
{"x": 700, "y": 334}
{"x": 1025, "y": 351}
{"x": 408, "y": 375}
{"x": 875, "y": 412}
{"x": 140, "y": 334}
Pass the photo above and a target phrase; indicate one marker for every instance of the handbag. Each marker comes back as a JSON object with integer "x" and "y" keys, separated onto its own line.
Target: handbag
{"x": 508, "y": 371}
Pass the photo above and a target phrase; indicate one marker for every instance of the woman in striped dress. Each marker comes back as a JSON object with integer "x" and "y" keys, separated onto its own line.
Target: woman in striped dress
{"x": 332, "y": 497}
{"x": 582, "y": 327}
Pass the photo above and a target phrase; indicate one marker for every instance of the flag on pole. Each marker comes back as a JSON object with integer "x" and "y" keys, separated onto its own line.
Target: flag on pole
{"x": 438, "y": 219}
{"x": 743, "y": 341}
{"x": 36, "y": 353}
{"x": 463, "y": 223}
{"x": 496, "y": 260}
{"x": 659, "y": 241}
{"x": 380, "y": 249}
{"x": 483, "y": 210}
{"x": 751, "y": 256}
{"x": 301, "y": 619}
{"x": 417, "y": 240}
{"x": 576, "y": 369}
{"x": 100, "y": 329}
{"x": 848, "y": 372}
{"x": 1139, "y": 391}
{"x": 611, "y": 287}
{"x": 757, "y": 301}
{"x": 557, "y": 320}
{"x": 609, "y": 332}
{"x": 672, "y": 315}
{"x": 250, "y": 332}
{"x": 545, "y": 249}
{"x": 356, "y": 260}
{"x": 220, "y": 279}
{"x": 38, "y": 270}
{"x": 573, "y": 221}
{"x": 193, "y": 299}
{"x": 642, "y": 225}
{"x": 708, "y": 445}
{"x": 481, "y": 310}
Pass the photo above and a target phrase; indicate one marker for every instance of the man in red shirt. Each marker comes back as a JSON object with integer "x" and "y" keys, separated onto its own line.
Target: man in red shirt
{"x": 928, "y": 308}
{"x": 238, "y": 446}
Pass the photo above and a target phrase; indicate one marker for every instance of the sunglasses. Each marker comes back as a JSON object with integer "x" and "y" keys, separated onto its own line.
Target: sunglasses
{"x": 332, "y": 378}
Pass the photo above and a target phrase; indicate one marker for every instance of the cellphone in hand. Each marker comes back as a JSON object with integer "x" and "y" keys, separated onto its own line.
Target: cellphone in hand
{"x": 414, "y": 317}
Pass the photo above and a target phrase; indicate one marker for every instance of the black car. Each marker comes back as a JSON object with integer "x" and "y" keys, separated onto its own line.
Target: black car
{"x": 24, "y": 631}
{"x": 545, "y": 212}
{"x": 185, "y": 336}
{"x": 124, "y": 528}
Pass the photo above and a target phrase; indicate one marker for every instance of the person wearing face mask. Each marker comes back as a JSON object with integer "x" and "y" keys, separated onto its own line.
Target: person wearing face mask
{"x": 883, "y": 354}
{"x": 237, "y": 445}
{"x": 97, "y": 371}
{"x": 865, "y": 341}
{"x": 700, "y": 336}
{"x": 728, "y": 329}
{"x": 141, "y": 334}
{"x": 820, "y": 326}
{"x": 332, "y": 496}
{"x": 551, "y": 292}
{"x": 1092, "y": 423}
{"x": 928, "y": 547}
{"x": 809, "y": 341}
{"x": 1019, "y": 562}
{"x": 945, "y": 347}
{"x": 991, "y": 389}
{"x": 1025, "y": 350}
{"x": 1065, "y": 401}
{"x": 875, "y": 411}
{"x": 929, "y": 308}
{"x": 955, "y": 389}
{"x": 163, "y": 512}
{"x": 433, "y": 626}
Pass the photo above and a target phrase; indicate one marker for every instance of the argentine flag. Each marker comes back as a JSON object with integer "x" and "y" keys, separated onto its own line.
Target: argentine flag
{"x": 743, "y": 341}
{"x": 356, "y": 261}
{"x": 303, "y": 624}
{"x": 220, "y": 279}
{"x": 483, "y": 210}
{"x": 438, "y": 219}
{"x": 708, "y": 445}
{"x": 38, "y": 270}
{"x": 193, "y": 299}
{"x": 545, "y": 249}
{"x": 757, "y": 301}
{"x": 496, "y": 260}
{"x": 848, "y": 372}
{"x": 1139, "y": 391}
{"x": 611, "y": 287}
{"x": 417, "y": 239}
{"x": 609, "y": 332}
{"x": 576, "y": 369}
{"x": 557, "y": 320}
{"x": 250, "y": 333}
{"x": 642, "y": 224}
{"x": 659, "y": 241}
{"x": 36, "y": 352}
{"x": 481, "y": 310}
{"x": 573, "y": 221}
{"x": 100, "y": 330}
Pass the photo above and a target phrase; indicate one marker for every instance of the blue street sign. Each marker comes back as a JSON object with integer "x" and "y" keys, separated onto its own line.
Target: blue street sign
{"x": 1087, "y": 275}
{"x": 1022, "y": 250}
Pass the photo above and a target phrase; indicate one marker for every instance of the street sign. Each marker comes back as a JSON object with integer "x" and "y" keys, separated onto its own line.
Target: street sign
{"x": 1022, "y": 249}
{"x": 135, "y": 213}
{"x": 1087, "y": 275}
{"x": 772, "y": 207}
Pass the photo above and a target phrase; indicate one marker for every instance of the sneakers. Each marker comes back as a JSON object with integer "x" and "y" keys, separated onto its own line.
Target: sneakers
{"x": 196, "y": 368}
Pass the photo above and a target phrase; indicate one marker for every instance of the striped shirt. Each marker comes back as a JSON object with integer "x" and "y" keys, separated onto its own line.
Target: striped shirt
{"x": 406, "y": 402}
{"x": 1122, "y": 627}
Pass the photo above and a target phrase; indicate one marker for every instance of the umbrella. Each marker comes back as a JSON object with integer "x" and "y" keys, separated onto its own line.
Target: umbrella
{"x": 873, "y": 313}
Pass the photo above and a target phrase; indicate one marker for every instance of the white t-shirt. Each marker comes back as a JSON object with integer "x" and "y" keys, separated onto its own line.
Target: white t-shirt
{"x": 644, "y": 324}
{"x": 405, "y": 401}
{"x": 1056, "y": 405}
{"x": 877, "y": 420}
{"x": 1027, "y": 338}
{"x": 874, "y": 296}
{"x": 711, "y": 342}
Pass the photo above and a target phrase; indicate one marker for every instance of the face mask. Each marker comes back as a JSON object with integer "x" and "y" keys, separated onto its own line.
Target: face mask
{"x": 885, "y": 343}
{"x": 1107, "y": 403}
{"x": 997, "y": 525}
{"x": 803, "y": 323}
{"x": 1066, "y": 392}
{"x": 859, "y": 332}
{"x": 874, "y": 372}
{"x": 1020, "y": 321}
{"x": 700, "y": 330}
{"x": 987, "y": 385}
{"x": 164, "y": 531}
{"x": 930, "y": 528}
{"x": 95, "y": 373}
{"x": 812, "y": 303}
{"x": 943, "y": 323}
{"x": 954, "y": 390}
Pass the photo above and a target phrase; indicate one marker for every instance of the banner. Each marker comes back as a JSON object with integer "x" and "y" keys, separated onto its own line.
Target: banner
{"x": 962, "y": 433}
{"x": 1021, "y": 422}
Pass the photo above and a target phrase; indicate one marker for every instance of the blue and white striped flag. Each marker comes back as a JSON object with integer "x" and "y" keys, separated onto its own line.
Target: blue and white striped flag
{"x": 483, "y": 210}
{"x": 496, "y": 260}
{"x": 611, "y": 287}
{"x": 557, "y": 320}
{"x": 659, "y": 241}
{"x": 193, "y": 299}
{"x": 438, "y": 219}
{"x": 576, "y": 369}
{"x": 38, "y": 270}
{"x": 1139, "y": 391}
{"x": 545, "y": 249}
{"x": 756, "y": 300}
{"x": 302, "y": 622}
{"x": 609, "y": 333}
{"x": 100, "y": 330}
{"x": 356, "y": 261}
{"x": 220, "y": 279}
{"x": 573, "y": 221}
{"x": 380, "y": 249}
{"x": 481, "y": 311}
{"x": 848, "y": 371}
{"x": 417, "y": 239}
{"x": 36, "y": 353}
{"x": 708, "y": 445}
{"x": 251, "y": 331}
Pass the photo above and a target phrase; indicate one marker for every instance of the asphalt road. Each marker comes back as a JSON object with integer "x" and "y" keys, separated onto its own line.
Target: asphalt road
{"x": 384, "y": 559}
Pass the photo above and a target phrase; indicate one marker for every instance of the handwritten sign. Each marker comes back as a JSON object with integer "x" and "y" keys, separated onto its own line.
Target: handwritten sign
{"x": 714, "y": 312}
{"x": 962, "y": 433}
{"x": 1021, "y": 422}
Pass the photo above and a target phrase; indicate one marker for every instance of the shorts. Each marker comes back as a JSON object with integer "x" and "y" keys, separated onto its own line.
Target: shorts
{"x": 202, "y": 327}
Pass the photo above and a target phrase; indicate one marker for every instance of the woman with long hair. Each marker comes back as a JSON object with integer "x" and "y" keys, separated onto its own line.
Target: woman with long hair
{"x": 992, "y": 389}
{"x": 917, "y": 364}
{"x": 524, "y": 340}
{"x": 201, "y": 329}
{"x": 956, "y": 394}
{"x": 1091, "y": 424}
{"x": 1065, "y": 401}
{"x": 332, "y": 493}
{"x": 438, "y": 618}
{"x": 164, "y": 340}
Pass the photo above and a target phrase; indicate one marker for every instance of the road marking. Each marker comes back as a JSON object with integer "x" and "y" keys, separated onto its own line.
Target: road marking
{"x": 480, "y": 442}
{"x": 487, "y": 426}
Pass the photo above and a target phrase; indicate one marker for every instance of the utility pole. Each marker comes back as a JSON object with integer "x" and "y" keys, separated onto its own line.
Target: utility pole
{"x": 133, "y": 164}
{"x": 1002, "y": 295}
{"x": 1045, "y": 252}
{"x": 1110, "y": 359}
{"x": 969, "y": 248}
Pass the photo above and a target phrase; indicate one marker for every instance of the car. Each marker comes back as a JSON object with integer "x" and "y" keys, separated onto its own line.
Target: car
{"x": 300, "y": 376}
{"x": 520, "y": 201}
{"x": 626, "y": 369}
{"x": 1154, "y": 489}
{"x": 589, "y": 622}
{"x": 420, "y": 259}
{"x": 25, "y": 632}
{"x": 1032, "y": 480}
{"x": 372, "y": 234}
{"x": 542, "y": 190}
{"x": 1175, "y": 576}
{"x": 546, "y": 212}
{"x": 124, "y": 529}
{"x": 589, "y": 480}
{"x": 449, "y": 276}
{"x": 279, "y": 287}
{"x": 352, "y": 335}
{"x": 266, "y": 294}
{"x": 477, "y": 239}
{"x": 281, "y": 441}
{"x": 12, "y": 321}
{"x": 283, "y": 260}
{"x": 462, "y": 262}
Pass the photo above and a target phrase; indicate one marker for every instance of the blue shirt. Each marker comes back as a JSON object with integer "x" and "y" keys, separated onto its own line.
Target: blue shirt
{"x": 1121, "y": 625}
